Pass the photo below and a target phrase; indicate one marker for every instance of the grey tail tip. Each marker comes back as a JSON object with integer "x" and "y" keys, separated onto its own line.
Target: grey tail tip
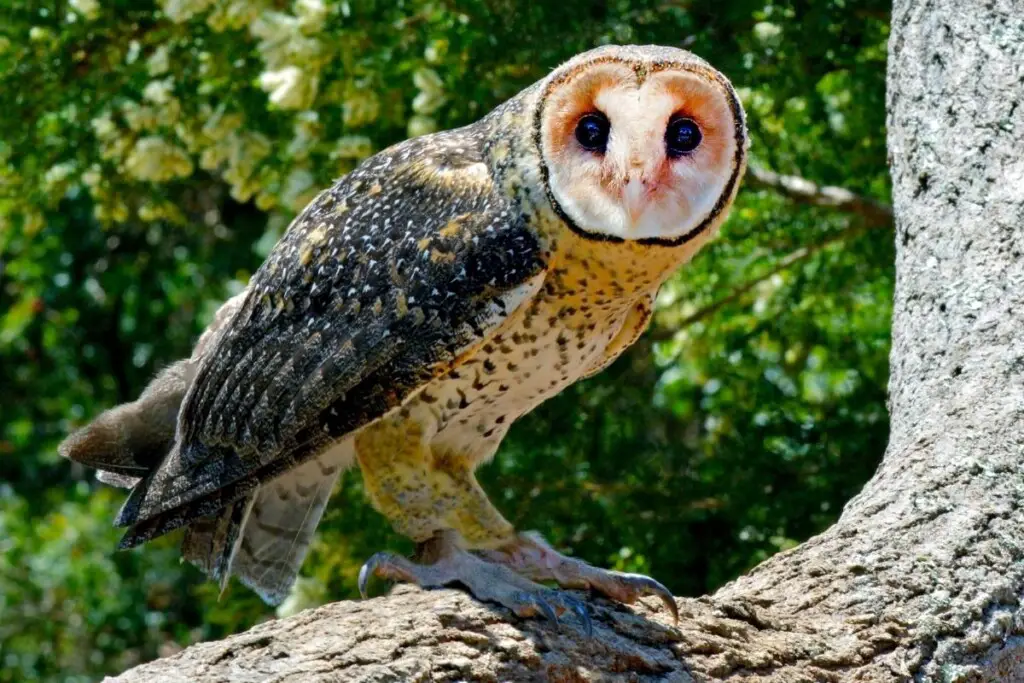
{"x": 129, "y": 540}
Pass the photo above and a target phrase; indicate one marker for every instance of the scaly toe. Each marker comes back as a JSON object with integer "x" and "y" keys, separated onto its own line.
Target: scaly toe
{"x": 485, "y": 580}
{"x": 530, "y": 556}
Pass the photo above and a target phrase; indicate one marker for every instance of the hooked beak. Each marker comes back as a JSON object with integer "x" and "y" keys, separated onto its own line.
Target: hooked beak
{"x": 634, "y": 196}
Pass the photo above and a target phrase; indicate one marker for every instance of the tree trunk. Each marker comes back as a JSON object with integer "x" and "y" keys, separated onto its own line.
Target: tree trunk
{"x": 922, "y": 577}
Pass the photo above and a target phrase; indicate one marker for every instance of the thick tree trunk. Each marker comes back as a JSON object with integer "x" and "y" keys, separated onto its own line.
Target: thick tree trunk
{"x": 922, "y": 578}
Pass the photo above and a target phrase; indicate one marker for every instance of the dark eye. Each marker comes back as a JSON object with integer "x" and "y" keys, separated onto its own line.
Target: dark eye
{"x": 592, "y": 132}
{"x": 682, "y": 136}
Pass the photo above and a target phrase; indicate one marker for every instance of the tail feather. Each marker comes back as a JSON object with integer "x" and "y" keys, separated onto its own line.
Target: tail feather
{"x": 133, "y": 438}
{"x": 263, "y": 538}
{"x": 212, "y": 541}
{"x": 121, "y": 481}
{"x": 258, "y": 528}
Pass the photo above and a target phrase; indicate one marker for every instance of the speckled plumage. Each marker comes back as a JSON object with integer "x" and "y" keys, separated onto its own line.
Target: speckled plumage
{"x": 411, "y": 313}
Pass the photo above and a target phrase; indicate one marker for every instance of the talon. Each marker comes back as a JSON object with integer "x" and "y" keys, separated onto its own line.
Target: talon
{"x": 541, "y": 604}
{"x": 649, "y": 586}
{"x": 581, "y": 611}
{"x": 666, "y": 597}
{"x": 368, "y": 568}
{"x": 548, "y": 611}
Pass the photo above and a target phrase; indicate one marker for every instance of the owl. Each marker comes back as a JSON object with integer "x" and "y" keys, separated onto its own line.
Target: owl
{"x": 412, "y": 312}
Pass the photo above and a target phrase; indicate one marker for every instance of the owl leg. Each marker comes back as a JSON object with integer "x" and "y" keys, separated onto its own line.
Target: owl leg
{"x": 530, "y": 556}
{"x": 446, "y": 562}
{"x": 422, "y": 491}
{"x": 433, "y": 498}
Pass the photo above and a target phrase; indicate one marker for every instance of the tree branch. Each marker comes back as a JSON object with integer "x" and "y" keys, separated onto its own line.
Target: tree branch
{"x": 787, "y": 261}
{"x": 442, "y": 635}
{"x": 874, "y": 213}
{"x": 870, "y": 214}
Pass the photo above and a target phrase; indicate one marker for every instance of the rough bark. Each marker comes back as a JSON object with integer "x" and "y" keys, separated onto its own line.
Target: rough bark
{"x": 923, "y": 575}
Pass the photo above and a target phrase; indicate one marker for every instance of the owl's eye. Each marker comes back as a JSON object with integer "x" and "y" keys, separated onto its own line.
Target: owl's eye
{"x": 682, "y": 136}
{"x": 592, "y": 132}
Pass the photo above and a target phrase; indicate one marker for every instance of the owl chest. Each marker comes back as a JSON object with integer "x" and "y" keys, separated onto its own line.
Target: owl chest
{"x": 543, "y": 349}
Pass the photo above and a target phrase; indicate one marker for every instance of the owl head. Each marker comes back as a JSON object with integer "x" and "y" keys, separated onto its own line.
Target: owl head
{"x": 641, "y": 143}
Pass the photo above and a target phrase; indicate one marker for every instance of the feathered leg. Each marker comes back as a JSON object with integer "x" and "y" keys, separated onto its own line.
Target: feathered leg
{"x": 433, "y": 498}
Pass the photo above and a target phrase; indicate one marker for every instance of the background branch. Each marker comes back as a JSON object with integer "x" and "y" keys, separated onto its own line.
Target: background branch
{"x": 869, "y": 213}
{"x": 787, "y": 261}
{"x": 874, "y": 213}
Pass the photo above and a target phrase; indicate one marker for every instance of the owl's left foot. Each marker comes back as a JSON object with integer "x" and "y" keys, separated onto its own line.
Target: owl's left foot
{"x": 446, "y": 563}
{"x": 530, "y": 556}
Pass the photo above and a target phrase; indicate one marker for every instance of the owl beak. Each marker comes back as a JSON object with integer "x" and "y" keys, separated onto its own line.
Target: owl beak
{"x": 634, "y": 197}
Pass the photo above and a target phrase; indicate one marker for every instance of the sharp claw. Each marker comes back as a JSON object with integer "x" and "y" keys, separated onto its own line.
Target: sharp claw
{"x": 549, "y": 612}
{"x": 544, "y": 607}
{"x": 368, "y": 568}
{"x": 581, "y": 611}
{"x": 651, "y": 586}
{"x": 666, "y": 597}
{"x": 670, "y": 604}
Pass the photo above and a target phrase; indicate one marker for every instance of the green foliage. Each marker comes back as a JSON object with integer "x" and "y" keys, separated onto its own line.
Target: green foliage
{"x": 151, "y": 154}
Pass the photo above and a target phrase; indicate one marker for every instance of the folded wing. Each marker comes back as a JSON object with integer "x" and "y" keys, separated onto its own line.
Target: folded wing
{"x": 377, "y": 288}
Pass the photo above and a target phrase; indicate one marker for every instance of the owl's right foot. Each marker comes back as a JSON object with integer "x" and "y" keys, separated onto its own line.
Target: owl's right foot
{"x": 485, "y": 580}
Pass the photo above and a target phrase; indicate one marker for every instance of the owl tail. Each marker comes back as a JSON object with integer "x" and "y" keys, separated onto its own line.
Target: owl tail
{"x": 127, "y": 442}
{"x": 263, "y": 538}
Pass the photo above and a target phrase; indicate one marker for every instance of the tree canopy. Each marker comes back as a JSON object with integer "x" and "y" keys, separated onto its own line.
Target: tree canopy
{"x": 152, "y": 153}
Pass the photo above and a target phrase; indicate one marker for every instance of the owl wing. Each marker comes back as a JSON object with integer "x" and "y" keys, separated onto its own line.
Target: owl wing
{"x": 377, "y": 288}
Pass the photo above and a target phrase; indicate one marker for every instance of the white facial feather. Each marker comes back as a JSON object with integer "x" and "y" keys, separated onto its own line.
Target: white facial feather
{"x": 635, "y": 189}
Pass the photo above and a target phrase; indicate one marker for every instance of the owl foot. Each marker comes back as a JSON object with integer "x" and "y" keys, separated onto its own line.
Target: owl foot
{"x": 530, "y": 556}
{"x": 485, "y": 580}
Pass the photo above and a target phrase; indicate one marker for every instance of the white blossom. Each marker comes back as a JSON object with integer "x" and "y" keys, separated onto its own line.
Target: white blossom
{"x": 180, "y": 11}
{"x": 155, "y": 159}
{"x": 767, "y": 32}
{"x": 159, "y": 62}
{"x": 103, "y": 127}
{"x": 431, "y": 96}
{"x": 92, "y": 177}
{"x": 290, "y": 87}
{"x": 436, "y": 51}
{"x": 39, "y": 34}
{"x": 420, "y": 125}
{"x": 427, "y": 102}
{"x": 282, "y": 42}
{"x": 55, "y": 176}
{"x": 139, "y": 117}
{"x": 158, "y": 92}
{"x": 89, "y": 9}
{"x": 353, "y": 147}
{"x": 312, "y": 15}
{"x": 427, "y": 80}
